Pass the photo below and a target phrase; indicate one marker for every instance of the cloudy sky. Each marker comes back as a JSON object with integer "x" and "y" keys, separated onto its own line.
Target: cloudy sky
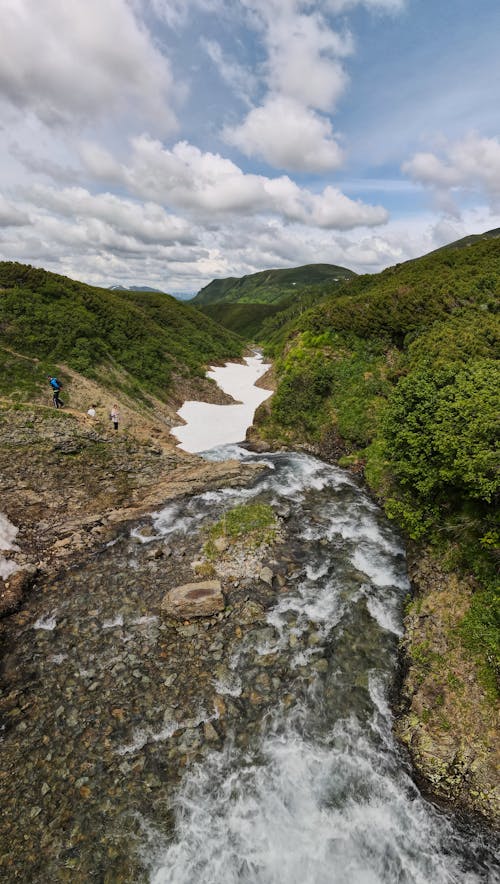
{"x": 168, "y": 142}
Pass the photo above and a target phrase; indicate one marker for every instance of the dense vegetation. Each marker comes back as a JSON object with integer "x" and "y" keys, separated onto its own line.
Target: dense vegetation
{"x": 244, "y": 319}
{"x": 144, "y": 339}
{"x": 271, "y": 286}
{"x": 403, "y": 367}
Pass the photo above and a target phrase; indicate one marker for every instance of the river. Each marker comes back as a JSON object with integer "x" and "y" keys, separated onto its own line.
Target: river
{"x": 254, "y": 749}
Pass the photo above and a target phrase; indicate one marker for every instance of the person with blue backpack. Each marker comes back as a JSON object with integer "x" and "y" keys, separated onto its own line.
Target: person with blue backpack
{"x": 56, "y": 387}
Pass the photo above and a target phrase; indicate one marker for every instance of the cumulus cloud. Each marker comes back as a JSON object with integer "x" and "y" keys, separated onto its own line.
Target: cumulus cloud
{"x": 144, "y": 222}
{"x": 471, "y": 164}
{"x": 288, "y": 136}
{"x": 304, "y": 74}
{"x": 64, "y": 59}
{"x": 211, "y": 186}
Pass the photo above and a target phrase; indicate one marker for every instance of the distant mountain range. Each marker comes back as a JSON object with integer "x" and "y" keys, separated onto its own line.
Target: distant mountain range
{"x": 270, "y": 286}
{"x": 134, "y": 288}
{"x": 179, "y": 296}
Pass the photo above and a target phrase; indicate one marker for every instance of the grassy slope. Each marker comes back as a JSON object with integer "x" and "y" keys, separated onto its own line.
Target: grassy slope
{"x": 243, "y": 319}
{"x": 270, "y": 286}
{"x": 139, "y": 340}
{"x": 402, "y": 366}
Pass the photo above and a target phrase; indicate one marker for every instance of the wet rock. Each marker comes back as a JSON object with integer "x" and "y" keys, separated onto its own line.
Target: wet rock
{"x": 12, "y": 590}
{"x": 147, "y": 531}
{"x": 251, "y": 612}
{"x": 201, "y": 599}
{"x": 266, "y": 575}
{"x": 209, "y": 732}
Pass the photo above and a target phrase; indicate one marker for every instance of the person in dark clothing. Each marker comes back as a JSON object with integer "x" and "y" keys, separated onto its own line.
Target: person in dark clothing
{"x": 56, "y": 387}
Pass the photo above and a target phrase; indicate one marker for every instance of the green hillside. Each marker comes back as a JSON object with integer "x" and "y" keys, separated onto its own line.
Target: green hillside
{"x": 400, "y": 370}
{"x": 245, "y": 319}
{"x": 142, "y": 339}
{"x": 270, "y": 286}
{"x": 467, "y": 241}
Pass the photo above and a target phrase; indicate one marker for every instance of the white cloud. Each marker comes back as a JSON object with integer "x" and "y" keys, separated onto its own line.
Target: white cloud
{"x": 144, "y": 222}
{"x": 376, "y": 5}
{"x": 210, "y": 186}
{"x": 471, "y": 164}
{"x": 303, "y": 59}
{"x": 240, "y": 79}
{"x": 175, "y": 13}
{"x": 288, "y": 136}
{"x": 67, "y": 60}
{"x": 11, "y": 215}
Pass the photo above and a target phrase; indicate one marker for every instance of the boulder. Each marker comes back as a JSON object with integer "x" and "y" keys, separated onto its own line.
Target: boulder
{"x": 266, "y": 575}
{"x": 194, "y": 600}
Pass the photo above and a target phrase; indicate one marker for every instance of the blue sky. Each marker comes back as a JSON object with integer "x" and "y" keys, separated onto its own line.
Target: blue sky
{"x": 168, "y": 142}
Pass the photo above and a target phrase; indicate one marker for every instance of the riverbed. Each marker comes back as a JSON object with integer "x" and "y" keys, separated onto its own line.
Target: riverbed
{"x": 254, "y": 747}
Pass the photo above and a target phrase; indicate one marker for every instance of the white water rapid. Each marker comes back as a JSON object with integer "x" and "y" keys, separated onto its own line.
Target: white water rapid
{"x": 320, "y": 793}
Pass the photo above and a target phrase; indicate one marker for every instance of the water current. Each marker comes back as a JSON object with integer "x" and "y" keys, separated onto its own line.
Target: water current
{"x": 254, "y": 749}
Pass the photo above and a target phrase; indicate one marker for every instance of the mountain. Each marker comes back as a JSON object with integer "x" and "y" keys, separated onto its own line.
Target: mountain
{"x": 471, "y": 240}
{"x": 270, "y": 286}
{"x": 246, "y": 320}
{"x": 135, "y": 341}
{"x": 133, "y": 288}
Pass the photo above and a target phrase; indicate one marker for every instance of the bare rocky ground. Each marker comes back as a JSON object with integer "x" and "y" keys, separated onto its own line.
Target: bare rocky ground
{"x": 68, "y": 482}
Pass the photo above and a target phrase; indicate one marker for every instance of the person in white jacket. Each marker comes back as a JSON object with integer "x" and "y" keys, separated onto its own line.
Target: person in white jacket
{"x": 114, "y": 416}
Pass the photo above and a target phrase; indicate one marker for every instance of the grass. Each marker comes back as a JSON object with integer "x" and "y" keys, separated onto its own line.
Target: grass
{"x": 256, "y": 522}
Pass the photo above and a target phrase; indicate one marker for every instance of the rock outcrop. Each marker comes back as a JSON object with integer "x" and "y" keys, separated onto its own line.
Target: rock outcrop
{"x": 202, "y": 599}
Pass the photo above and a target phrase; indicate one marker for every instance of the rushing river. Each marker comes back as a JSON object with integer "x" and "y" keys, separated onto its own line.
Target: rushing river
{"x": 111, "y": 774}
{"x": 254, "y": 749}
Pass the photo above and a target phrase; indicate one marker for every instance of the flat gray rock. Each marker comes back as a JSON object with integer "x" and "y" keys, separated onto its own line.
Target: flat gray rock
{"x": 200, "y": 599}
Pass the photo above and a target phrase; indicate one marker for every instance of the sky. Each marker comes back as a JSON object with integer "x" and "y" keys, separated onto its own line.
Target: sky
{"x": 170, "y": 142}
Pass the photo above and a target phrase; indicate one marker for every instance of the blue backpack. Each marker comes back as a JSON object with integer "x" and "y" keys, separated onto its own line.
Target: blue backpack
{"x": 54, "y": 383}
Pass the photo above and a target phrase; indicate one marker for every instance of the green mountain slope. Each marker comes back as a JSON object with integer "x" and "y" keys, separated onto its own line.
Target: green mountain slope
{"x": 400, "y": 371}
{"x": 245, "y": 319}
{"x": 467, "y": 241}
{"x": 143, "y": 339}
{"x": 270, "y": 286}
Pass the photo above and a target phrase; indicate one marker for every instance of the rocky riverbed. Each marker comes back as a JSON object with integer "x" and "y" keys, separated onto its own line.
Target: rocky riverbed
{"x": 251, "y": 744}
{"x": 68, "y": 483}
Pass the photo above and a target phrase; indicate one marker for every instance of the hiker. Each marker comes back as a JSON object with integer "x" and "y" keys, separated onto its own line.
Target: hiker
{"x": 91, "y": 412}
{"x": 56, "y": 386}
{"x": 114, "y": 415}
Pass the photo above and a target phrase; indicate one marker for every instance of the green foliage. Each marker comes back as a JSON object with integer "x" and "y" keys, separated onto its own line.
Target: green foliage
{"x": 149, "y": 336}
{"x": 255, "y": 522}
{"x": 480, "y": 631}
{"x": 245, "y": 319}
{"x": 404, "y": 365}
{"x": 441, "y": 430}
{"x": 328, "y": 377}
{"x": 270, "y": 286}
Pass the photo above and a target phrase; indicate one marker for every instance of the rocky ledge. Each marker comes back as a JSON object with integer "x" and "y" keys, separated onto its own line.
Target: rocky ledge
{"x": 68, "y": 486}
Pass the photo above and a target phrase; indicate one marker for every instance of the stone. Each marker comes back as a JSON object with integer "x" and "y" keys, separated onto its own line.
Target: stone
{"x": 209, "y": 732}
{"x": 221, "y": 544}
{"x": 201, "y": 599}
{"x": 266, "y": 575}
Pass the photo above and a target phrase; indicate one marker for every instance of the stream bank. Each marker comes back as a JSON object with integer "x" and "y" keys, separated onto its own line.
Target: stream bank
{"x": 444, "y": 714}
